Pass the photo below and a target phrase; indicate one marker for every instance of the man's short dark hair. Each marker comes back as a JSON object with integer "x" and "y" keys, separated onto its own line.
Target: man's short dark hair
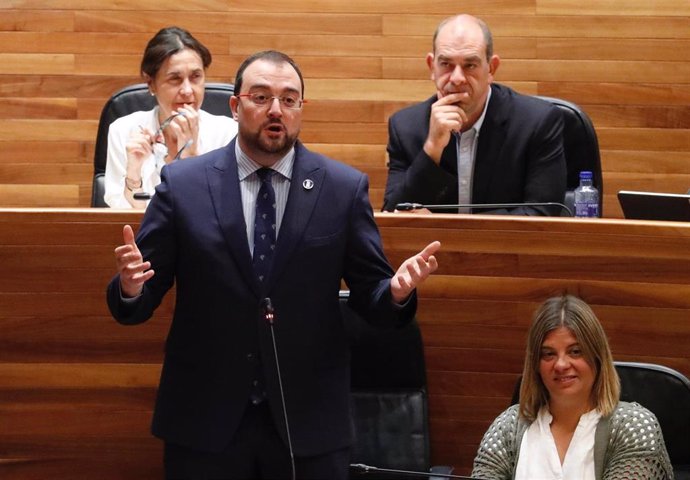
{"x": 272, "y": 56}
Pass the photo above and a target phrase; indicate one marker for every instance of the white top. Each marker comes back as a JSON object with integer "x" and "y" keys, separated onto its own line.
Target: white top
{"x": 539, "y": 459}
{"x": 215, "y": 131}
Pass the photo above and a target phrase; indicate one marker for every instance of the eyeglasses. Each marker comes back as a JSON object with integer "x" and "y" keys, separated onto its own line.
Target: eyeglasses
{"x": 186, "y": 145}
{"x": 165, "y": 123}
{"x": 292, "y": 102}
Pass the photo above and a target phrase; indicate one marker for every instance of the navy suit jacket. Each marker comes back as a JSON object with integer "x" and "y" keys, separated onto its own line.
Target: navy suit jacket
{"x": 194, "y": 235}
{"x": 520, "y": 157}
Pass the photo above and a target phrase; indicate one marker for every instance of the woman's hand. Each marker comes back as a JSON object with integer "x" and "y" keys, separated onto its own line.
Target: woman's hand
{"x": 184, "y": 127}
{"x": 138, "y": 148}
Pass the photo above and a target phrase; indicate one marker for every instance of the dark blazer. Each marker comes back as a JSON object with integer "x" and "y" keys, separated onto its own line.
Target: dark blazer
{"x": 194, "y": 234}
{"x": 520, "y": 156}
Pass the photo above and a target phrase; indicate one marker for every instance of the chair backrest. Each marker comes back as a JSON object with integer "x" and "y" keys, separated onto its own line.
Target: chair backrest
{"x": 581, "y": 149}
{"x": 98, "y": 191}
{"x": 666, "y": 393}
{"x": 134, "y": 98}
{"x": 389, "y": 397}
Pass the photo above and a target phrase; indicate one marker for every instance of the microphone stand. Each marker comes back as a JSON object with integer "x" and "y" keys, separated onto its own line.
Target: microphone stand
{"x": 269, "y": 316}
{"x": 406, "y": 207}
{"x": 364, "y": 469}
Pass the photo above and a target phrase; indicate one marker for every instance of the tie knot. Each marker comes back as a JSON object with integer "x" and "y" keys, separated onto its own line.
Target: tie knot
{"x": 265, "y": 173}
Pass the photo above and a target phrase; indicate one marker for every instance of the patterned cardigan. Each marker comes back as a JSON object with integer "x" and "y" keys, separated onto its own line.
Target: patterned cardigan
{"x": 627, "y": 444}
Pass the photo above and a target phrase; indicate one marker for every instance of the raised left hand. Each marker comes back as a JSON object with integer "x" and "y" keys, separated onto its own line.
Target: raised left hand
{"x": 413, "y": 272}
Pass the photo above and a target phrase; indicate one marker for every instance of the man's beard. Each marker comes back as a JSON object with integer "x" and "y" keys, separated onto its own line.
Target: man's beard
{"x": 258, "y": 141}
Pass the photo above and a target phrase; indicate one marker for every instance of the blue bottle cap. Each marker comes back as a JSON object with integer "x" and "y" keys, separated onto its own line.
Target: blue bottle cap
{"x": 587, "y": 175}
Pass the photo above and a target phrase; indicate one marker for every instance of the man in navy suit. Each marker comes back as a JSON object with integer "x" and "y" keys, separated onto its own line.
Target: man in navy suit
{"x": 220, "y": 404}
{"x": 474, "y": 141}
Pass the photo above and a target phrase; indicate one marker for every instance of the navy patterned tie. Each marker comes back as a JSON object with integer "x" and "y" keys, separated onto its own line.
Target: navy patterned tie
{"x": 264, "y": 225}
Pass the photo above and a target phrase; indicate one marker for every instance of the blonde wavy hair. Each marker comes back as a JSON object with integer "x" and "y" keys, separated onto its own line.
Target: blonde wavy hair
{"x": 574, "y": 314}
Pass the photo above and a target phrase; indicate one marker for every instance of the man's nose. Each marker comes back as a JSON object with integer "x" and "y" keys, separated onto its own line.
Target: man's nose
{"x": 457, "y": 76}
{"x": 274, "y": 108}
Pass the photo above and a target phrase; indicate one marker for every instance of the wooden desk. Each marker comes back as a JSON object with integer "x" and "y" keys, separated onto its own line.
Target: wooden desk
{"x": 76, "y": 388}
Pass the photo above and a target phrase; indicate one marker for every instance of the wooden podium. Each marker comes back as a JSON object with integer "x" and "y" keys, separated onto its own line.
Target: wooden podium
{"x": 77, "y": 389}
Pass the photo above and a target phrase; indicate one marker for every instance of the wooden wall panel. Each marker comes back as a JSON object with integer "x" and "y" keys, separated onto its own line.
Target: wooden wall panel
{"x": 77, "y": 389}
{"x": 266, "y": 22}
{"x": 62, "y": 60}
{"x": 578, "y": 25}
{"x": 47, "y": 20}
{"x": 614, "y": 7}
{"x": 31, "y": 195}
{"x": 605, "y": 49}
{"x": 37, "y": 63}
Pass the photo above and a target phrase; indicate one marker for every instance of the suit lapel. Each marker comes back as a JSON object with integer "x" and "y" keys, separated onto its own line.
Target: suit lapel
{"x": 307, "y": 180}
{"x": 491, "y": 140}
{"x": 449, "y": 157}
{"x": 224, "y": 186}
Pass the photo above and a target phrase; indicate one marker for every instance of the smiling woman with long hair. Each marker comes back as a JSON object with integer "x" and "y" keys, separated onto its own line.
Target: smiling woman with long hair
{"x": 570, "y": 423}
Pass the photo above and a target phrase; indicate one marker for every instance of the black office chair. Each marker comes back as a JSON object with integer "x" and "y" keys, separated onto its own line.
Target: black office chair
{"x": 389, "y": 398}
{"x": 581, "y": 149}
{"x": 137, "y": 97}
{"x": 666, "y": 393}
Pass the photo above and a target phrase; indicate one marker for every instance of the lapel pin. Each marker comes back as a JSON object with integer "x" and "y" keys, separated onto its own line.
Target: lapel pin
{"x": 308, "y": 184}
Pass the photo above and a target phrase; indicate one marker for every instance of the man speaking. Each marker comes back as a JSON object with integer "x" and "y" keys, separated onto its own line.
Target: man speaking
{"x": 257, "y": 237}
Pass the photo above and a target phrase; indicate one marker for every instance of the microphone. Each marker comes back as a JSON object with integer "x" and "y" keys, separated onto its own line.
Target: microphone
{"x": 269, "y": 316}
{"x": 267, "y": 307}
{"x": 364, "y": 469}
{"x": 407, "y": 206}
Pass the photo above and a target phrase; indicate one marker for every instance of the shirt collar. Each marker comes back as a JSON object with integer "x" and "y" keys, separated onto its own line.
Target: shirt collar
{"x": 246, "y": 166}
{"x": 544, "y": 418}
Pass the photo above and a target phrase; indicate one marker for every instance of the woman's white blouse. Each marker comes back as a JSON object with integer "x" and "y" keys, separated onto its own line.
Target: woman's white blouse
{"x": 215, "y": 131}
{"x": 538, "y": 459}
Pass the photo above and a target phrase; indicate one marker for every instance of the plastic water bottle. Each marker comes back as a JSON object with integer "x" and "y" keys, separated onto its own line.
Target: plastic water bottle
{"x": 586, "y": 197}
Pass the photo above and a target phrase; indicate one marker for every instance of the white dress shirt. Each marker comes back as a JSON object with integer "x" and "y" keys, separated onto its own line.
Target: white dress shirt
{"x": 466, "y": 149}
{"x": 250, "y": 184}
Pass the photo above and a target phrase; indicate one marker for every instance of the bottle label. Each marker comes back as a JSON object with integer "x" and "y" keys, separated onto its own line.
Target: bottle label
{"x": 587, "y": 210}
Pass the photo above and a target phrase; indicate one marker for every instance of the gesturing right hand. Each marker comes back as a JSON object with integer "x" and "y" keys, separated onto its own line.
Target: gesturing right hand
{"x": 130, "y": 265}
{"x": 446, "y": 117}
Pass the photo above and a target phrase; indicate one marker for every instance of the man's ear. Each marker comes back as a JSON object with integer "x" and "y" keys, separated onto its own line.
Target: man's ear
{"x": 430, "y": 64}
{"x": 234, "y": 104}
{"x": 494, "y": 63}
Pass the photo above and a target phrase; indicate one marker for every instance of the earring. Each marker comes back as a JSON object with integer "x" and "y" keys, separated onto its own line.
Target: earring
{"x": 152, "y": 94}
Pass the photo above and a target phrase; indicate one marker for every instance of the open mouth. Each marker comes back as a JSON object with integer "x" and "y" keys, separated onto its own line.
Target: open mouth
{"x": 274, "y": 128}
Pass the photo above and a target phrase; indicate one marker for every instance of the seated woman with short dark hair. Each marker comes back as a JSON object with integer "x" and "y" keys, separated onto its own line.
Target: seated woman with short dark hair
{"x": 570, "y": 422}
{"x": 142, "y": 143}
